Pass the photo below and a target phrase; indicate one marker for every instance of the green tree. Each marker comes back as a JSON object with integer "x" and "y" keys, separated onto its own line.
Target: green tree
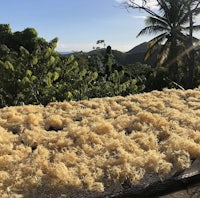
{"x": 102, "y": 42}
{"x": 193, "y": 9}
{"x": 109, "y": 61}
{"x": 28, "y": 67}
{"x": 32, "y": 72}
{"x": 5, "y": 34}
{"x": 172, "y": 22}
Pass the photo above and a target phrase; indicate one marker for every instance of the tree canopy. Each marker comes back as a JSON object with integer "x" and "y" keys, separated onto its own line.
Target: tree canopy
{"x": 33, "y": 72}
{"x": 173, "y": 23}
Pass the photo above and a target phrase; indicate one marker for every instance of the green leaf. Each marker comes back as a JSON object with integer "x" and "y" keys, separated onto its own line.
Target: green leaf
{"x": 83, "y": 72}
{"x": 54, "y": 42}
{"x": 72, "y": 66}
{"x": 58, "y": 69}
{"x": 94, "y": 76}
{"x": 34, "y": 60}
{"x": 24, "y": 51}
{"x": 48, "y": 52}
{"x": 70, "y": 59}
{"x": 69, "y": 95}
{"x": 52, "y": 60}
{"x": 25, "y": 80}
{"x": 75, "y": 64}
{"x": 56, "y": 76}
{"x": 9, "y": 66}
{"x": 49, "y": 74}
{"x": 33, "y": 78}
{"x": 49, "y": 81}
{"x": 29, "y": 73}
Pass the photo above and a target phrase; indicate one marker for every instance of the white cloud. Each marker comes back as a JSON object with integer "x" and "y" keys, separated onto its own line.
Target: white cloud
{"x": 139, "y": 17}
{"x": 150, "y": 3}
{"x": 68, "y": 47}
{"x": 197, "y": 19}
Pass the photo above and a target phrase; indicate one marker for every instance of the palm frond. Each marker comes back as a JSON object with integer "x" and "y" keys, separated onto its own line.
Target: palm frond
{"x": 151, "y": 12}
{"x": 182, "y": 37}
{"x": 154, "y": 45}
{"x": 195, "y": 28}
{"x": 152, "y": 30}
{"x": 163, "y": 53}
{"x": 185, "y": 17}
{"x": 183, "y": 20}
{"x": 172, "y": 10}
{"x": 170, "y": 24}
{"x": 157, "y": 39}
{"x": 155, "y": 21}
{"x": 163, "y": 6}
{"x": 196, "y": 11}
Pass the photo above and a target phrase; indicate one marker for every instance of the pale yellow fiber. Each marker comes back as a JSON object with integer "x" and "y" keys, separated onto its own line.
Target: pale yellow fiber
{"x": 92, "y": 147}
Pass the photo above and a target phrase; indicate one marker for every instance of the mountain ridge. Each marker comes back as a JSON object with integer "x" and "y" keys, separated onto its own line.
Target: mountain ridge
{"x": 134, "y": 55}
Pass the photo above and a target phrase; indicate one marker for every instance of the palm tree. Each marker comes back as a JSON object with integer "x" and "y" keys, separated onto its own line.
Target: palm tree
{"x": 170, "y": 23}
{"x": 193, "y": 9}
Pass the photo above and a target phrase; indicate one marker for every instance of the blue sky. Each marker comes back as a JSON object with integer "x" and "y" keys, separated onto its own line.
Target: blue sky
{"x": 77, "y": 23}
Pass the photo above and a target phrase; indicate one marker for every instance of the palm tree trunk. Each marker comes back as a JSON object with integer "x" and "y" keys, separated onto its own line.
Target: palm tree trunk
{"x": 191, "y": 63}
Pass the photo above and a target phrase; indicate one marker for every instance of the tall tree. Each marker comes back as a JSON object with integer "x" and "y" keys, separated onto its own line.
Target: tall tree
{"x": 173, "y": 21}
{"x": 193, "y": 9}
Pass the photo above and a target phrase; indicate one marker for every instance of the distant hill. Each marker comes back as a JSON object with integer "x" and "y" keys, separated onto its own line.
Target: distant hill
{"x": 65, "y": 53}
{"x": 141, "y": 48}
{"x": 136, "y": 54}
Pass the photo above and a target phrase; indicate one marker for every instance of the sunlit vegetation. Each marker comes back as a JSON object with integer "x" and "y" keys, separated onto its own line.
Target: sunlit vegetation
{"x": 32, "y": 72}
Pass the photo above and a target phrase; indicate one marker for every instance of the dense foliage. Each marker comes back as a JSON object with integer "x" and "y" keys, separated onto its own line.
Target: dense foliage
{"x": 32, "y": 72}
{"x": 173, "y": 23}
